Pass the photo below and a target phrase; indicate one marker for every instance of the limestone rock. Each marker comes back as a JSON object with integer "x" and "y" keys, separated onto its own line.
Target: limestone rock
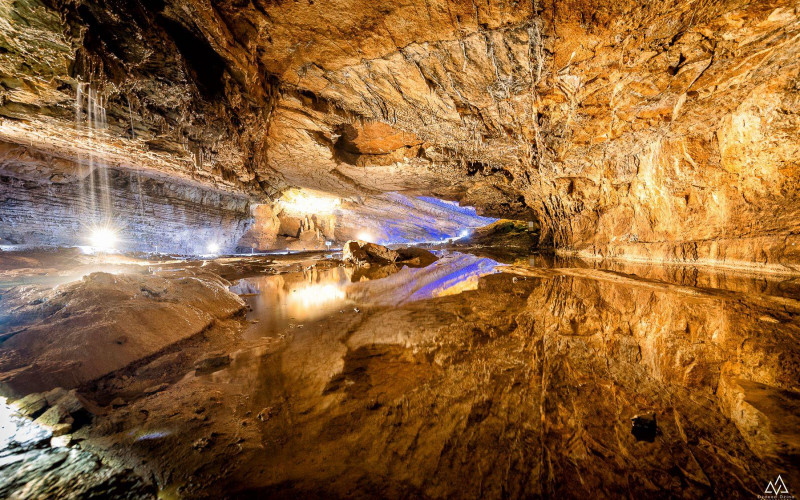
{"x": 32, "y": 405}
{"x": 103, "y": 323}
{"x": 651, "y": 132}
{"x": 362, "y": 252}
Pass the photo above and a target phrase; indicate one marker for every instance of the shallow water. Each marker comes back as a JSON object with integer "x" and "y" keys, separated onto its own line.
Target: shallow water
{"x": 472, "y": 379}
{"x": 278, "y": 302}
{"x": 549, "y": 382}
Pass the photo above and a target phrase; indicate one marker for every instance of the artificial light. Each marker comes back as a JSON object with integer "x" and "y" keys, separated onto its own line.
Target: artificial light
{"x": 308, "y": 202}
{"x": 103, "y": 238}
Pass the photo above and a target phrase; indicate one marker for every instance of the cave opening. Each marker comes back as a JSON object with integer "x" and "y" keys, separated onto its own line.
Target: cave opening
{"x": 341, "y": 249}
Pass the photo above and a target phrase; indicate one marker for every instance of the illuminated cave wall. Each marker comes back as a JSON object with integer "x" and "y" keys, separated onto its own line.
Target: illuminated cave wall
{"x": 152, "y": 215}
{"x": 395, "y": 218}
{"x": 308, "y": 220}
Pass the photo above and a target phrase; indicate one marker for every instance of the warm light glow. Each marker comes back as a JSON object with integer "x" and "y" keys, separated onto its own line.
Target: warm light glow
{"x": 313, "y": 297}
{"x": 213, "y": 248}
{"x": 364, "y": 236}
{"x": 306, "y": 201}
{"x": 103, "y": 238}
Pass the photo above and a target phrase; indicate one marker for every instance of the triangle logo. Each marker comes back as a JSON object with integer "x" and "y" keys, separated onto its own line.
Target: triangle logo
{"x": 777, "y": 487}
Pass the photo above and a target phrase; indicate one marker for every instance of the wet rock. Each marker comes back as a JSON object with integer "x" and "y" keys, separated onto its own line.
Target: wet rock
{"x": 61, "y": 429}
{"x": 54, "y": 416}
{"x": 204, "y": 442}
{"x": 212, "y": 363}
{"x": 32, "y": 405}
{"x": 73, "y": 340}
{"x": 61, "y": 441}
{"x": 118, "y": 403}
{"x": 68, "y": 473}
{"x": 361, "y": 252}
{"x": 54, "y": 395}
{"x": 155, "y": 388}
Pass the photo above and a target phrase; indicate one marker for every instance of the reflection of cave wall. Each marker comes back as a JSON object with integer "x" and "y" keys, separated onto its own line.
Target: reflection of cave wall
{"x": 166, "y": 217}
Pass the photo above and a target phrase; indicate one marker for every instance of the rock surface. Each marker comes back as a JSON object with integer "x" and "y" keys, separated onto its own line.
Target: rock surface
{"x": 505, "y": 234}
{"x": 30, "y": 468}
{"x": 366, "y": 253}
{"x": 657, "y": 131}
{"x": 83, "y": 330}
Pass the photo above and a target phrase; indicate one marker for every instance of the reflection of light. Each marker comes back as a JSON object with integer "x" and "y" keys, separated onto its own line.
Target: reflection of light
{"x": 7, "y": 427}
{"x": 213, "y": 248}
{"x": 363, "y": 236}
{"x": 464, "y": 233}
{"x": 103, "y": 237}
{"x": 151, "y": 435}
{"x": 308, "y": 202}
{"x": 314, "y": 296}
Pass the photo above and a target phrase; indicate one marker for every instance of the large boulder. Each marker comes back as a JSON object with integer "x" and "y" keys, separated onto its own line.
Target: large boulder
{"x": 362, "y": 252}
{"x": 367, "y": 254}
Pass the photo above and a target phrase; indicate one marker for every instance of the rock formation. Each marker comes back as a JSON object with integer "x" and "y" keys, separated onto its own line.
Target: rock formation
{"x": 656, "y": 131}
{"x": 102, "y": 323}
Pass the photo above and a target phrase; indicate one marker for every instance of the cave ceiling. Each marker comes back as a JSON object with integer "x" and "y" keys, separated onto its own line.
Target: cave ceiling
{"x": 614, "y": 122}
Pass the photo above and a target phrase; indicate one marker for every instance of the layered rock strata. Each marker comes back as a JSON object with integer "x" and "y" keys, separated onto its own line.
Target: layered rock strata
{"x": 655, "y": 131}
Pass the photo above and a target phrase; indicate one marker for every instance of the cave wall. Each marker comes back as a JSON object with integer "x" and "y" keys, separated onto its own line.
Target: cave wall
{"x": 389, "y": 218}
{"x": 659, "y": 131}
{"x": 150, "y": 215}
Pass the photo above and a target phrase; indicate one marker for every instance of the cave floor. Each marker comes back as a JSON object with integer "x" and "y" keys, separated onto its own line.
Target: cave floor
{"x": 483, "y": 375}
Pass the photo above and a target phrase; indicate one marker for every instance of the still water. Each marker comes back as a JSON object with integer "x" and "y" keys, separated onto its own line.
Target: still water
{"x": 291, "y": 300}
{"x": 475, "y": 379}
{"x": 478, "y": 376}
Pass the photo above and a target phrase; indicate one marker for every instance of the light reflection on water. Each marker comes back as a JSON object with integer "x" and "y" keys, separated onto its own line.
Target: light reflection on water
{"x": 281, "y": 301}
{"x": 285, "y": 301}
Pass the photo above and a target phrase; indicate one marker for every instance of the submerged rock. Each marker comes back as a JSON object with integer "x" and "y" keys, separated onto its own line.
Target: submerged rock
{"x": 212, "y": 363}
{"x": 644, "y": 427}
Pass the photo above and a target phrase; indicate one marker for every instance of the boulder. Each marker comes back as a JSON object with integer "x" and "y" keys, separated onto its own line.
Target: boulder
{"x": 32, "y": 405}
{"x": 416, "y": 257}
{"x": 362, "y": 252}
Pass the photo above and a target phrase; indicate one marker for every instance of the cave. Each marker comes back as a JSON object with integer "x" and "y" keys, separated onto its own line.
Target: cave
{"x": 421, "y": 249}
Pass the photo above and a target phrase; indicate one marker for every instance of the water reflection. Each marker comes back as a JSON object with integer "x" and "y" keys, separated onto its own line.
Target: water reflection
{"x": 289, "y": 300}
{"x": 528, "y": 386}
{"x": 279, "y": 301}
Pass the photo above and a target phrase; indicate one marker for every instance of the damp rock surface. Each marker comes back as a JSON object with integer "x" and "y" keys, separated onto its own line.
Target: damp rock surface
{"x": 31, "y": 467}
{"x": 82, "y": 330}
